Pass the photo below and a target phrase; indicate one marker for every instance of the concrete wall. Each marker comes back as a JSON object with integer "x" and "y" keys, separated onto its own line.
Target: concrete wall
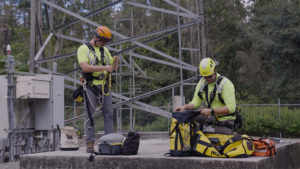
{"x": 287, "y": 158}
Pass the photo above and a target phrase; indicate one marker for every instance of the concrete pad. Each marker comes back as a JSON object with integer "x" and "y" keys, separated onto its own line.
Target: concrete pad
{"x": 151, "y": 156}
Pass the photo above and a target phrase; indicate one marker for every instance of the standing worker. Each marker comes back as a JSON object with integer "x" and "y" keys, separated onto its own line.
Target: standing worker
{"x": 218, "y": 95}
{"x": 97, "y": 64}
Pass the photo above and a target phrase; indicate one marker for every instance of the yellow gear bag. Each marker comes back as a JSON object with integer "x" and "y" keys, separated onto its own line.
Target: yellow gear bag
{"x": 222, "y": 145}
{"x": 180, "y": 138}
{"x": 181, "y": 133}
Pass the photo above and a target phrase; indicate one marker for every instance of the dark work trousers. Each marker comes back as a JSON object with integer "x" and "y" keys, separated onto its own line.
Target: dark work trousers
{"x": 211, "y": 120}
{"x": 107, "y": 112}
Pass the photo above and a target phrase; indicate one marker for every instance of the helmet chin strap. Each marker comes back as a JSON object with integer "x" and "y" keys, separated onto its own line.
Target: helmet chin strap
{"x": 95, "y": 41}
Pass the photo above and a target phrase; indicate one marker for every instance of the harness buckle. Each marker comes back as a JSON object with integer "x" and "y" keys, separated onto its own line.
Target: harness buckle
{"x": 101, "y": 76}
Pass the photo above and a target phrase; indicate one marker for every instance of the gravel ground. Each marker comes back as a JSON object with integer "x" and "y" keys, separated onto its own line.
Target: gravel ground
{"x": 10, "y": 165}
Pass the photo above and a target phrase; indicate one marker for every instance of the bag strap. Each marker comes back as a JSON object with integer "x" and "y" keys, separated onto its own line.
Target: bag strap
{"x": 230, "y": 141}
{"x": 178, "y": 134}
{"x": 174, "y": 129}
{"x": 205, "y": 144}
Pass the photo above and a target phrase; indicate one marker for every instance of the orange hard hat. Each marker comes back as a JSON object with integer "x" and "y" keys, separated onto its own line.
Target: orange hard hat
{"x": 103, "y": 33}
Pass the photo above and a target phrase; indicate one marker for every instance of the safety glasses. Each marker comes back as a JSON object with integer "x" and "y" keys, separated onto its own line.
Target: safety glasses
{"x": 208, "y": 77}
{"x": 103, "y": 39}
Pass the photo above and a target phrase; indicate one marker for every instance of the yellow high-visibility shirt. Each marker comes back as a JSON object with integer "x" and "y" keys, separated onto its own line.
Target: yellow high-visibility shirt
{"x": 82, "y": 56}
{"x": 227, "y": 94}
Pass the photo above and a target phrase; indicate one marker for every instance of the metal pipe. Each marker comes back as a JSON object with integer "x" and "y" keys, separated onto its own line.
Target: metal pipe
{"x": 155, "y": 91}
{"x": 10, "y": 101}
{"x": 180, "y": 54}
{"x": 279, "y": 118}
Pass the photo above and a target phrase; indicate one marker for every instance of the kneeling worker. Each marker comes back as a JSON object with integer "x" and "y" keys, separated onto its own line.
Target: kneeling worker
{"x": 97, "y": 64}
{"x": 217, "y": 93}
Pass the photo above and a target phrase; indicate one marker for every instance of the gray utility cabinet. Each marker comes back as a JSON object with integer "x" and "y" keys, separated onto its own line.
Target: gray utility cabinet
{"x": 46, "y": 94}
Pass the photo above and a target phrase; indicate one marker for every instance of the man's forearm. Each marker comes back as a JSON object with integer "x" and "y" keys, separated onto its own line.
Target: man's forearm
{"x": 189, "y": 106}
{"x": 222, "y": 110}
{"x": 90, "y": 68}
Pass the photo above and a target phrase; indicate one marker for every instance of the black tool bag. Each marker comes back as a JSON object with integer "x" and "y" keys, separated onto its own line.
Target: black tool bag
{"x": 131, "y": 143}
{"x": 78, "y": 94}
{"x": 238, "y": 122}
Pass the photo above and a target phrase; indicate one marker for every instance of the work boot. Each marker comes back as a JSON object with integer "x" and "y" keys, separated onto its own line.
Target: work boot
{"x": 90, "y": 147}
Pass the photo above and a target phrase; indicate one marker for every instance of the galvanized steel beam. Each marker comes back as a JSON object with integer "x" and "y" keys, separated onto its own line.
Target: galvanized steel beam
{"x": 115, "y": 33}
{"x": 43, "y": 47}
{"x": 155, "y": 91}
{"x": 162, "y": 62}
{"x": 88, "y": 15}
{"x": 181, "y": 8}
{"x": 152, "y": 33}
{"x": 161, "y": 10}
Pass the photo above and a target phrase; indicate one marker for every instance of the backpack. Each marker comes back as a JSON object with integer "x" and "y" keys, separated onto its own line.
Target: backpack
{"x": 181, "y": 133}
{"x": 131, "y": 143}
{"x": 264, "y": 147}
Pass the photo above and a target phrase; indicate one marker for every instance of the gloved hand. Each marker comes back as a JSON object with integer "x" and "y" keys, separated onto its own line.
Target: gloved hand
{"x": 116, "y": 62}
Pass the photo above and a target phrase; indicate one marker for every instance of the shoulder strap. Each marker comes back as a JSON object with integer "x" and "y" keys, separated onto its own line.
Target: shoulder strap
{"x": 102, "y": 56}
{"x": 213, "y": 93}
{"x": 94, "y": 61}
{"x": 202, "y": 85}
{"x": 89, "y": 45}
{"x": 220, "y": 84}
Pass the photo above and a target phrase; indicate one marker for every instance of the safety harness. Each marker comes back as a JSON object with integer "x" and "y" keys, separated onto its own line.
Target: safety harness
{"x": 94, "y": 61}
{"x": 217, "y": 91}
{"x": 106, "y": 77}
{"x": 218, "y": 87}
{"x": 88, "y": 78}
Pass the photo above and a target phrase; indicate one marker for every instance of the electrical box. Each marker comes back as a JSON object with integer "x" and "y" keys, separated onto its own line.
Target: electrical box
{"x": 33, "y": 87}
{"x": 39, "y": 105}
{"x": 50, "y": 112}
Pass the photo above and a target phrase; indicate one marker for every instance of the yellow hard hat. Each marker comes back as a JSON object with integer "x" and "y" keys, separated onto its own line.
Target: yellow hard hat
{"x": 103, "y": 33}
{"x": 207, "y": 67}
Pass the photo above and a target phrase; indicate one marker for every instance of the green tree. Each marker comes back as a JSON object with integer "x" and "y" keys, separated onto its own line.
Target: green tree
{"x": 274, "y": 32}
